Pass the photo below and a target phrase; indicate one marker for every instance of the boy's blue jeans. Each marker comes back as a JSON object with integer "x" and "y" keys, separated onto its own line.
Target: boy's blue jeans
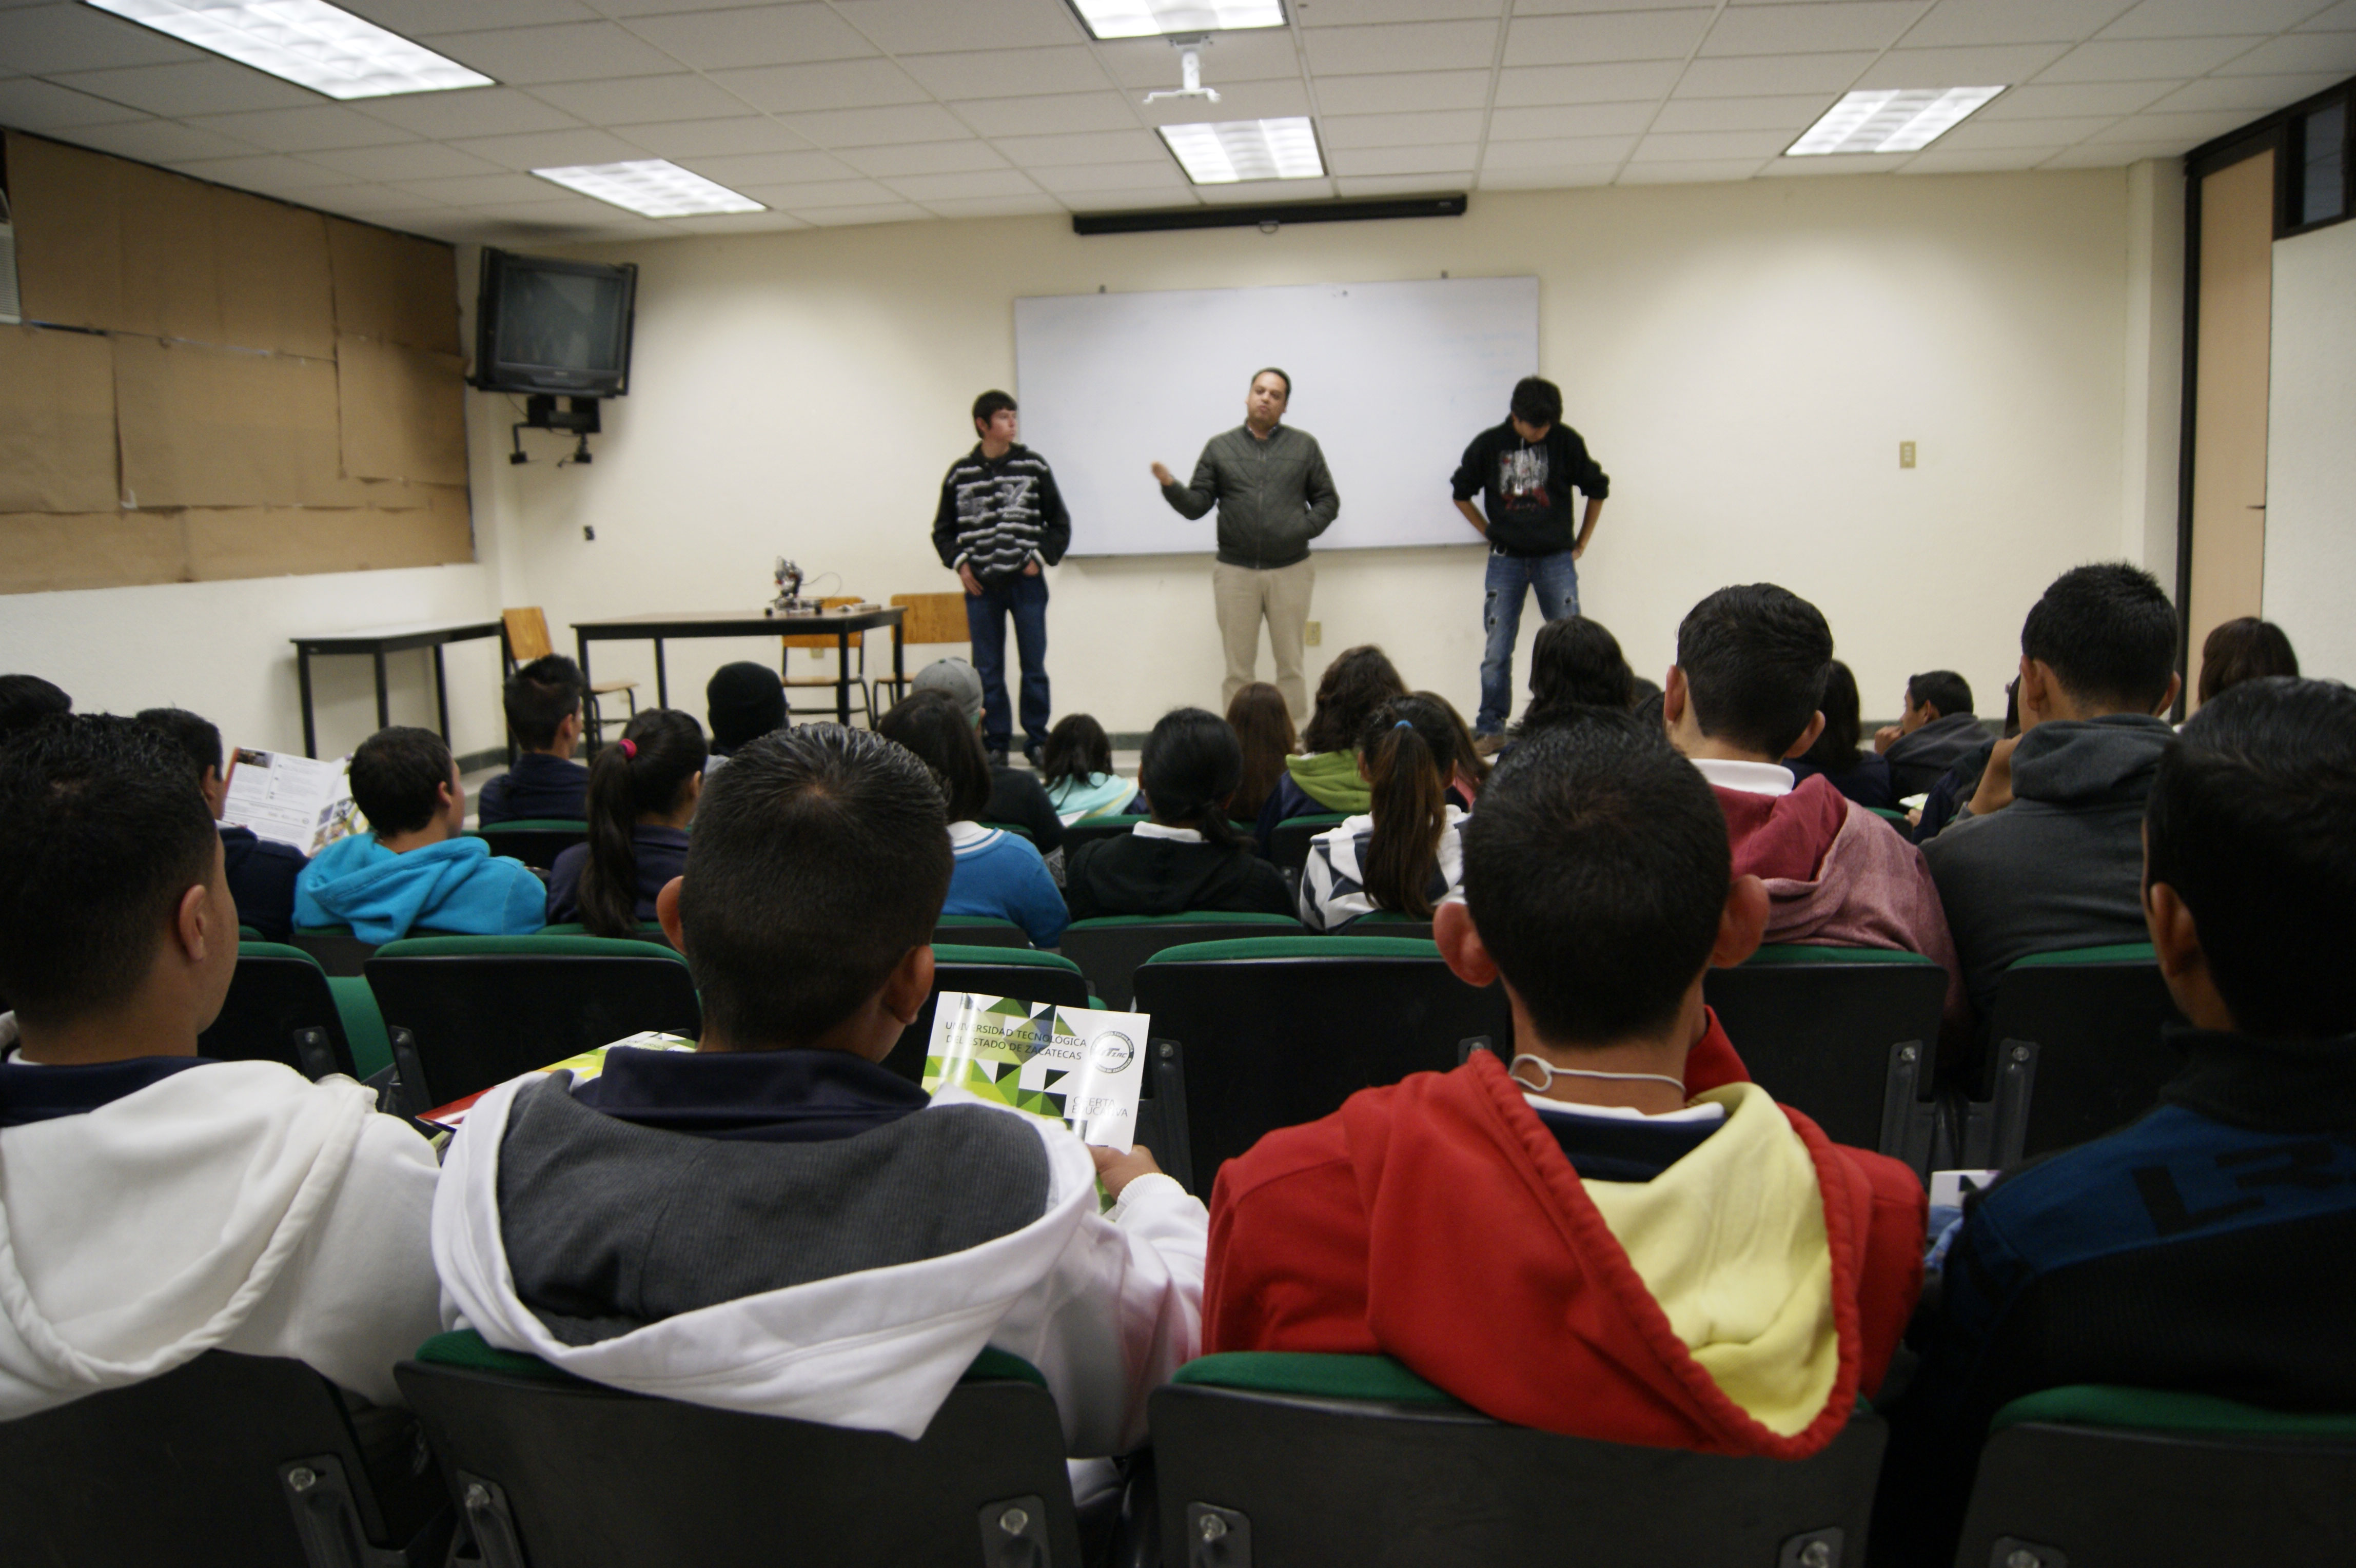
{"x": 1555, "y": 577}
{"x": 1025, "y": 599}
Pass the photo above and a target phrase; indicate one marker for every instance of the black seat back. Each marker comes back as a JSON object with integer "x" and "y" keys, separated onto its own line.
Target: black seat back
{"x": 979, "y": 932}
{"x": 1288, "y": 846}
{"x": 279, "y": 1009}
{"x": 1034, "y": 977}
{"x": 1088, "y": 829}
{"x": 2075, "y": 1051}
{"x": 535, "y": 841}
{"x": 1110, "y": 948}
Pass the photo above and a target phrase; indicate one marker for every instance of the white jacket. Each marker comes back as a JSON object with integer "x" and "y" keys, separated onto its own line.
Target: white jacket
{"x": 232, "y": 1207}
{"x": 1106, "y": 1306}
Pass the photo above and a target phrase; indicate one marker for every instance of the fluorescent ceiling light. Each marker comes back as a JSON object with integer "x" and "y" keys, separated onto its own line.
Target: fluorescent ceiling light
{"x": 655, "y": 187}
{"x": 1891, "y": 119}
{"x": 1146, "y": 18}
{"x": 307, "y": 42}
{"x": 1233, "y": 150}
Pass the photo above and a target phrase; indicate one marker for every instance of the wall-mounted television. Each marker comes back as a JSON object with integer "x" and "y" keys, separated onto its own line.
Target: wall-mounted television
{"x": 554, "y": 326}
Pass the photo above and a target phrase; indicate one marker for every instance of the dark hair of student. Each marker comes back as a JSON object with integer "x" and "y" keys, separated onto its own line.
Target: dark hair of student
{"x": 397, "y": 776}
{"x": 1596, "y": 871}
{"x": 1836, "y": 750}
{"x": 1263, "y": 727}
{"x": 1536, "y": 401}
{"x": 743, "y": 700}
{"x": 1192, "y": 764}
{"x": 2252, "y": 819}
{"x": 1078, "y": 749}
{"x": 1405, "y": 747}
{"x": 989, "y": 405}
{"x": 821, "y": 855}
{"x": 1943, "y": 689}
{"x": 1352, "y": 686}
{"x": 193, "y": 735}
{"x": 538, "y": 695}
{"x": 27, "y": 700}
{"x": 2108, "y": 633}
{"x": 1755, "y": 659}
{"x": 2243, "y": 649}
{"x": 1575, "y": 663}
{"x": 935, "y": 727}
{"x": 1463, "y": 759}
{"x": 102, "y": 830}
{"x": 647, "y": 777}
{"x": 1284, "y": 376}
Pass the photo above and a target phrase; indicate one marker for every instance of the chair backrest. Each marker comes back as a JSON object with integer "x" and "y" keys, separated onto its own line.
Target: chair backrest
{"x": 1289, "y": 845}
{"x": 1274, "y": 1031}
{"x": 824, "y": 641}
{"x": 535, "y": 841}
{"x": 480, "y": 1010}
{"x": 979, "y": 932}
{"x": 1088, "y": 829}
{"x": 2074, "y": 1050}
{"x": 1889, "y": 814}
{"x": 527, "y": 635}
{"x": 279, "y": 1008}
{"x": 2087, "y": 1476}
{"x": 1109, "y": 948}
{"x": 648, "y": 932}
{"x": 1389, "y": 923}
{"x": 1018, "y": 972}
{"x": 553, "y": 1472}
{"x": 1846, "y": 1035}
{"x": 1298, "y": 1458}
{"x": 932, "y": 617}
{"x": 244, "y": 1459}
{"x": 1016, "y": 830}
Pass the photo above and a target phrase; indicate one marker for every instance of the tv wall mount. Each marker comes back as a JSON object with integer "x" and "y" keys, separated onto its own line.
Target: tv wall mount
{"x": 579, "y": 415}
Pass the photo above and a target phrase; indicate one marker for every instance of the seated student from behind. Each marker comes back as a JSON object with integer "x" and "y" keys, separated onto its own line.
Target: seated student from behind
{"x": 642, "y": 794}
{"x": 1857, "y": 772}
{"x": 543, "y": 703}
{"x": 998, "y": 875}
{"x": 415, "y": 867}
{"x": 1075, "y": 768}
{"x": 2211, "y": 1246}
{"x": 262, "y": 872}
{"x": 1935, "y": 730}
{"x": 1324, "y": 776}
{"x": 1190, "y": 856}
{"x": 1016, "y": 795}
{"x": 776, "y": 1223}
{"x": 158, "y": 1205}
{"x": 1406, "y": 853}
{"x": 744, "y": 701}
{"x": 1620, "y": 1238}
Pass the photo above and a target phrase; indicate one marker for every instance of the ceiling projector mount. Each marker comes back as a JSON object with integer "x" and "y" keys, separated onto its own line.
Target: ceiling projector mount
{"x": 1189, "y": 48}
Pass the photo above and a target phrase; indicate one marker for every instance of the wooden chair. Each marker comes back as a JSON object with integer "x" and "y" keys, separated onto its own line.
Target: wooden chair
{"x": 824, "y": 642}
{"x": 932, "y": 617}
{"x": 524, "y": 637}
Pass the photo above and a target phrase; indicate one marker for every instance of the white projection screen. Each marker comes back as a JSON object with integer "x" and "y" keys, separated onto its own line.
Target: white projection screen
{"x": 1393, "y": 378}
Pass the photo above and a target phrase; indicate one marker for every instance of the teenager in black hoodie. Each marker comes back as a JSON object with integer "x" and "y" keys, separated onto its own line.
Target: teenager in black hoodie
{"x": 1188, "y": 857}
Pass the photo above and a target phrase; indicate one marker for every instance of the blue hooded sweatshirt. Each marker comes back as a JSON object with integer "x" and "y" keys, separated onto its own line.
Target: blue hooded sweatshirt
{"x": 456, "y": 885}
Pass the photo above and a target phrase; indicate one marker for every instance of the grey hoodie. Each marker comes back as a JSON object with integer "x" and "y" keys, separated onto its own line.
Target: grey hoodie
{"x": 2062, "y": 865}
{"x": 1917, "y": 759}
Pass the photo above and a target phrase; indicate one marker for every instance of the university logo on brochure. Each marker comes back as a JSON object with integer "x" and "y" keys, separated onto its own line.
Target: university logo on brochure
{"x": 1078, "y": 1066}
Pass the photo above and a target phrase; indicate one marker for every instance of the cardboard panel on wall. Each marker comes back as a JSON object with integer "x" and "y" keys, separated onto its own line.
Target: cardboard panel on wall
{"x": 171, "y": 276}
{"x": 43, "y": 552}
{"x": 276, "y": 291}
{"x": 404, "y": 413}
{"x": 57, "y": 422}
{"x": 395, "y": 287}
{"x": 204, "y": 426}
{"x": 65, "y": 203}
{"x": 259, "y": 543}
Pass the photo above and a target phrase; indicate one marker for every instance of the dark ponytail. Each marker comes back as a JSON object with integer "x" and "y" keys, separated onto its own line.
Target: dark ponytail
{"x": 1192, "y": 764}
{"x": 1405, "y": 747}
{"x": 643, "y": 775}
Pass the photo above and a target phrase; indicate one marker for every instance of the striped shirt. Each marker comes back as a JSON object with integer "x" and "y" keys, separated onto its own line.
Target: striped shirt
{"x": 996, "y": 515}
{"x": 1333, "y": 883}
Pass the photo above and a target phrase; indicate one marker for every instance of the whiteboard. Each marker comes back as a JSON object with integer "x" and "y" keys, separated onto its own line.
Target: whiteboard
{"x": 1393, "y": 378}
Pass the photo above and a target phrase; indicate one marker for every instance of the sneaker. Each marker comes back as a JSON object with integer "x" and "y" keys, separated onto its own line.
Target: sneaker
{"x": 1031, "y": 754}
{"x": 1489, "y": 745}
{"x": 998, "y": 756}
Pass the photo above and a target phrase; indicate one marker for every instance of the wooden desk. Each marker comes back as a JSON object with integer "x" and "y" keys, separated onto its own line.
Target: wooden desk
{"x": 654, "y": 628}
{"x": 377, "y": 644}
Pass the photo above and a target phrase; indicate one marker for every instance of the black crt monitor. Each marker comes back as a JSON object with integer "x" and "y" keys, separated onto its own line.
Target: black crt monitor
{"x": 554, "y": 326}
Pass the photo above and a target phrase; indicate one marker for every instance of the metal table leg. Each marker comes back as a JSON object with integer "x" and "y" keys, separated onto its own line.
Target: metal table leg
{"x": 662, "y": 678}
{"x": 441, "y": 694}
{"x": 303, "y": 679}
{"x": 383, "y": 702}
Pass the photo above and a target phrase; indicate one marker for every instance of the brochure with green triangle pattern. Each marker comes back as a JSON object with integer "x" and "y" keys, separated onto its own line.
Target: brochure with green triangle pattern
{"x": 1080, "y": 1066}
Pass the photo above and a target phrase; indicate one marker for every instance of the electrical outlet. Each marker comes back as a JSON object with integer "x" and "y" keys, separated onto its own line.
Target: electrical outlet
{"x": 1906, "y": 454}
{"x": 1314, "y": 633}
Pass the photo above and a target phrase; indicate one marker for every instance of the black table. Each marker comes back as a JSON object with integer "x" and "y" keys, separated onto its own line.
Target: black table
{"x": 378, "y": 643}
{"x": 654, "y": 628}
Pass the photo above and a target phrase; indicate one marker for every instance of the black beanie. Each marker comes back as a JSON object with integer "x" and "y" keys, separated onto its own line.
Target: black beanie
{"x": 744, "y": 702}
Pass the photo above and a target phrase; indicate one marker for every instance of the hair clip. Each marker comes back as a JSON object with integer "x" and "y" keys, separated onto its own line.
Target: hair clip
{"x": 1403, "y": 724}
{"x": 629, "y": 748}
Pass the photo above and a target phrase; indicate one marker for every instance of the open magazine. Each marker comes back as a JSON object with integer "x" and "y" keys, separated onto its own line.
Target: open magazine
{"x": 1078, "y": 1066}
{"x": 292, "y": 799}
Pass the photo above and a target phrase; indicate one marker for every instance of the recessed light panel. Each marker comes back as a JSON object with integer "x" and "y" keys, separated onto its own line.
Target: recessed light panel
{"x": 1891, "y": 119}
{"x": 1145, "y": 19}
{"x": 307, "y": 42}
{"x": 1235, "y": 150}
{"x": 653, "y": 188}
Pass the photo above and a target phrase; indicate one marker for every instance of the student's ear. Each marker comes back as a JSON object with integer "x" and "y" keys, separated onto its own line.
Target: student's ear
{"x": 2034, "y": 699}
{"x": 1460, "y": 944}
{"x": 667, "y": 914}
{"x": 1807, "y": 736}
{"x": 908, "y": 984}
{"x": 453, "y": 796}
{"x": 1741, "y": 925}
{"x": 192, "y": 923}
{"x": 2175, "y": 684}
{"x": 1674, "y": 697}
{"x": 695, "y": 788}
{"x": 216, "y": 791}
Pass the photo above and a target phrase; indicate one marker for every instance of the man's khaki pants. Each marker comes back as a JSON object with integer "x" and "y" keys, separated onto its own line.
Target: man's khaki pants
{"x": 1244, "y": 596}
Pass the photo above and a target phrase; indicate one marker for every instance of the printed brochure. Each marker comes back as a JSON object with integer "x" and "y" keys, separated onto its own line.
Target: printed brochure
{"x": 1076, "y": 1065}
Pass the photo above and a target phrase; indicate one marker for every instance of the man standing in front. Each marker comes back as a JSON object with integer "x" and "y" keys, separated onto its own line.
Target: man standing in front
{"x": 1274, "y": 495}
{"x": 1527, "y": 467}
{"x": 1000, "y": 520}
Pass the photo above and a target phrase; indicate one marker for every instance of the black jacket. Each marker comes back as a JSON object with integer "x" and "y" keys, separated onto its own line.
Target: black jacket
{"x": 538, "y": 786}
{"x": 1134, "y": 875}
{"x": 1525, "y": 488}
{"x": 1017, "y": 797}
{"x": 261, "y": 874}
{"x": 995, "y": 516}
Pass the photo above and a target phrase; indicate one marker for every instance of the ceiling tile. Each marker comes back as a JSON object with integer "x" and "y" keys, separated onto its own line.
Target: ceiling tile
{"x": 1246, "y": 191}
{"x": 477, "y": 112}
{"x": 1568, "y": 8}
{"x": 1556, "y": 152}
{"x": 1256, "y": 55}
{"x": 41, "y": 40}
{"x": 1238, "y": 100}
{"x": 1560, "y": 176}
{"x": 1704, "y": 172}
{"x": 849, "y": 217}
{"x": 1115, "y": 146}
{"x": 2072, "y": 99}
{"x": 416, "y": 18}
{"x": 1978, "y": 135}
{"x": 1398, "y": 130}
{"x": 930, "y": 187}
{"x": 1838, "y": 164}
{"x": 799, "y": 194}
{"x": 1993, "y": 160}
{"x": 1810, "y": 29}
{"x": 1611, "y": 36}
{"x": 994, "y": 207}
{"x": 739, "y": 170}
{"x": 551, "y": 149}
{"x": 1361, "y": 185}
{"x": 1049, "y": 113}
{"x": 31, "y": 105}
{"x": 313, "y": 130}
{"x": 1618, "y": 83}
{"x": 1771, "y": 75}
{"x": 693, "y": 139}
{"x": 1460, "y": 156}
{"x": 1993, "y": 65}
{"x": 157, "y": 141}
{"x": 2145, "y": 60}
{"x": 2206, "y": 18}
{"x": 2109, "y": 154}
{"x": 2012, "y": 22}
{"x": 480, "y": 189}
{"x": 362, "y": 199}
{"x": 1690, "y": 146}
{"x": 756, "y": 35}
{"x": 1407, "y": 46}
{"x": 2254, "y": 95}
{"x": 877, "y": 127}
{"x": 2184, "y": 132}
{"x": 1115, "y": 199}
{"x": 271, "y": 173}
{"x": 194, "y": 87}
{"x": 1792, "y": 113}
{"x": 431, "y": 222}
{"x": 928, "y": 26}
{"x": 1125, "y": 178}
{"x": 2340, "y": 19}
{"x": 727, "y": 223}
{"x": 1351, "y": 13}
{"x": 837, "y": 85}
{"x": 410, "y": 160}
{"x": 924, "y": 157}
{"x": 2298, "y": 53}
{"x": 1009, "y": 73}
{"x": 570, "y": 51}
{"x": 1403, "y": 93}
{"x": 643, "y": 100}
{"x": 1570, "y": 120}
